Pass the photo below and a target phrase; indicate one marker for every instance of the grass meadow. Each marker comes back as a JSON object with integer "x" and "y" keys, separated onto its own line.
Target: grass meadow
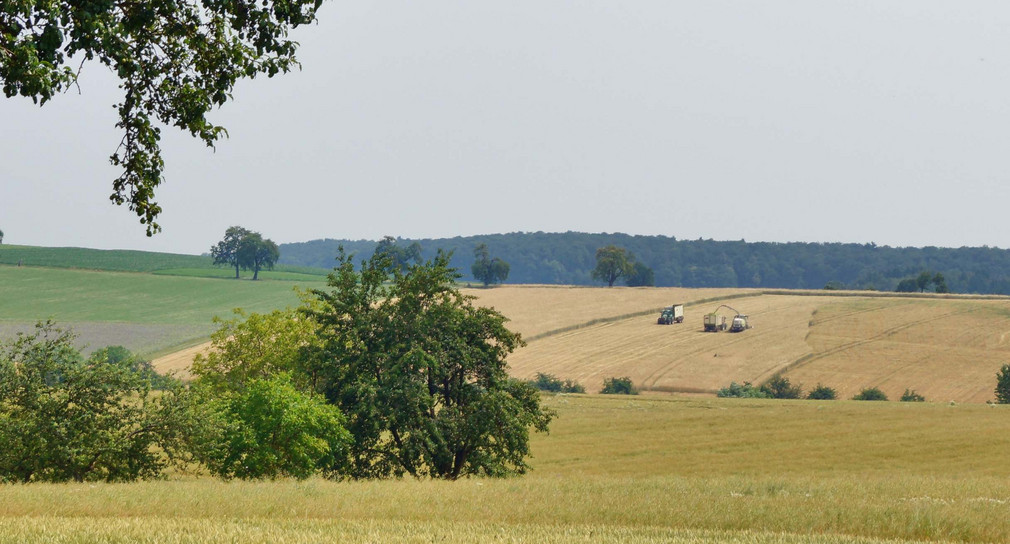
{"x": 147, "y": 313}
{"x": 613, "y": 469}
{"x": 122, "y": 260}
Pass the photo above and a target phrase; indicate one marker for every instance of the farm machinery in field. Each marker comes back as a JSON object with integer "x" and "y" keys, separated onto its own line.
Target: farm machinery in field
{"x": 715, "y": 322}
{"x": 671, "y": 314}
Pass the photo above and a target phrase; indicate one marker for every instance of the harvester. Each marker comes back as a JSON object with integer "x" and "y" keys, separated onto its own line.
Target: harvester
{"x": 715, "y": 323}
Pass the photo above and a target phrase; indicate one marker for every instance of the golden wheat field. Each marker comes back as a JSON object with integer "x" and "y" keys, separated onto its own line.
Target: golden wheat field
{"x": 613, "y": 469}
{"x": 944, "y": 348}
{"x": 947, "y": 349}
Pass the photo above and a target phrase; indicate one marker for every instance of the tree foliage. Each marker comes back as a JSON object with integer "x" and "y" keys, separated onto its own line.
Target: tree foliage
{"x": 226, "y": 251}
{"x": 612, "y": 263}
{"x": 420, "y": 373}
{"x": 569, "y": 258}
{"x": 746, "y": 390}
{"x": 618, "y": 386}
{"x": 400, "y": 258}
{"x": 822, "y": 392}
{"x": 640, "y": 276}
{"x": 870, "y": 393}
{"x": 1003, "y": 385}
{"x": 175, "y": 59}
{"x": 269, "y": 429}
{"x": 486, "y": 269}
{"x": 779, "y": 387}
{"x": 1, "y": 236}
{"x": 256, "y": 347}
{"x": 257, "y": 253}
{"x": 246, "y": 250}
{"x": 63, "y": 417}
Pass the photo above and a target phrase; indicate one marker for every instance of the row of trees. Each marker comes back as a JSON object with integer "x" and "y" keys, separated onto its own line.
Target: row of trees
{"x": 247, "y": 250}
{"x": 384, "y": 374}
{"x": 570, "y": 258}
{"x": 925, "y": 280}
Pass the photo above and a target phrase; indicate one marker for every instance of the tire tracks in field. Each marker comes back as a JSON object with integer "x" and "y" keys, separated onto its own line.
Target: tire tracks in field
{"x": 632, "y": 315}
{"x": 755, "y": 335}
{"x": 807, "y": 359}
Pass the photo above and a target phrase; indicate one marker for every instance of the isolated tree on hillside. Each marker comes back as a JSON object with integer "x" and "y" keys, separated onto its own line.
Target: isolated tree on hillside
{"x": 612, "y": 263}
{"x": 256, "y": 253}
{"x": 1, "y": 236}
{"x": 176, "y": 61}
{"x": 226, "y": 251}
{"x": 923, "y": 281}
{"x": 486, "y": 269}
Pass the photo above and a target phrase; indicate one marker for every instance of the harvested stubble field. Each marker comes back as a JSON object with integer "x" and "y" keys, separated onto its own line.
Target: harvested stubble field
{"x": 646, "y": 469}
{"x": 945, "y": 348}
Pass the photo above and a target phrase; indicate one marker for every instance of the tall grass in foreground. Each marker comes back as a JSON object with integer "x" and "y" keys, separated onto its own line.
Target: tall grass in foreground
{"x": 630, "y": 470}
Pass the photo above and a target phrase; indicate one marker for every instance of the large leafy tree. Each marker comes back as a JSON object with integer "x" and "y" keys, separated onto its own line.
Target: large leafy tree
{"x": 63, "y": 417}
{"x": 175, "y": 59}
{"x": 420, "y": 373}
{"x": 257, "y": 253}
{"x": 226, "y": 251}
{"x": 486, "y": 269}
{"x": 612, "y": 263}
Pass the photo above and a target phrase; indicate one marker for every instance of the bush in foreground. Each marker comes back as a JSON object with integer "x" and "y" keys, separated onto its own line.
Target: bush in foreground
{"x": 63, "y": 417}
{"x": 618, "y": 386}
{"x": 822, "y": 392}
{"x": 742, "y": 391}
{"x": 911, "y": 396}
{"x": 870, "y": 393}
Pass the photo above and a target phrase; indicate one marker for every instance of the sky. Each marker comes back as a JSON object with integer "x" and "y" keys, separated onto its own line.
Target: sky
{"x": 841, "y": 121}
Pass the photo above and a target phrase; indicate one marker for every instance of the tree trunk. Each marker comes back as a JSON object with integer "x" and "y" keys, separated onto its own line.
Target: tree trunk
{"x": 236, "y": 270}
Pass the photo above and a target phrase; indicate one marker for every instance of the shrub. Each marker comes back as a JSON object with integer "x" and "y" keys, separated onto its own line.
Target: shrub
{"x": 778, "y": 387}
{"x": 744, "y": 391}
{"x": 911, "y": 396}
{"x": 553, "y": 384}
{"x": 1003, "y": 385}
{"x": 570, "y": 386}
{"x": 547, "y": 382}
{"x": 270, "y": 430}
{"x": 870, "y": 393}
{"x": 822, "y": 392}
{"x": 618, "y": 386}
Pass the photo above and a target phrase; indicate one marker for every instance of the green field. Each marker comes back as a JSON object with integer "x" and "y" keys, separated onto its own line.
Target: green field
{"x": 119, "y": 260}
{"x": 147, "y": 313}
{"x": 628, "y": 469}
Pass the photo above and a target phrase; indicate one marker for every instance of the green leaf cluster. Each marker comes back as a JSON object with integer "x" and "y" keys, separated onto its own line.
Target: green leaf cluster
{"x": 176, "y": 60}
{"x": 63, "y": 417}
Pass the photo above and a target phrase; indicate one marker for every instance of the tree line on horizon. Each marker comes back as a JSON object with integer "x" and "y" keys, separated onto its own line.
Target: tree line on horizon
{"x": 570, "y": 258}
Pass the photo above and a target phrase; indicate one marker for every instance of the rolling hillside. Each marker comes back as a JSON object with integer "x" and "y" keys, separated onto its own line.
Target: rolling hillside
{"x": 944, "y": 348}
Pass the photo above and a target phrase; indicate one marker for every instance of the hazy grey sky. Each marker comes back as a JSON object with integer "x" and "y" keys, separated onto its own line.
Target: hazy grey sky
{"x": 854, "y": 121}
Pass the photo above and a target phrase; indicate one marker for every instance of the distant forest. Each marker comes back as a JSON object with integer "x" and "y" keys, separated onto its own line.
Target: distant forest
{"x": 568, "y": 258}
